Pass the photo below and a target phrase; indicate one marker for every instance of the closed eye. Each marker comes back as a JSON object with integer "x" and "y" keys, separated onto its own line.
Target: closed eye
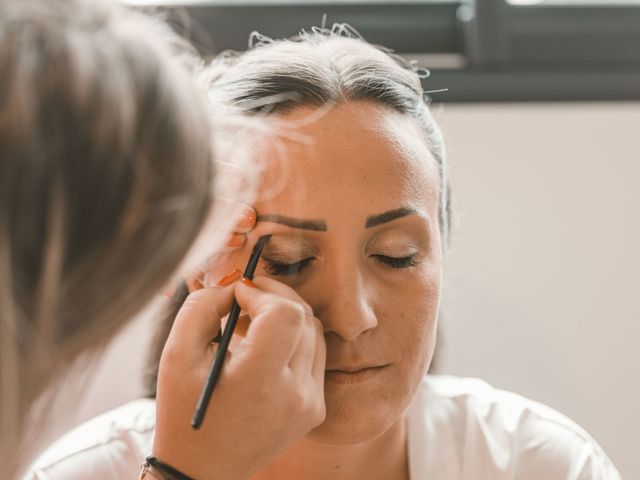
{"x": 276, "y": 268}
{"x": 398, "y": 262}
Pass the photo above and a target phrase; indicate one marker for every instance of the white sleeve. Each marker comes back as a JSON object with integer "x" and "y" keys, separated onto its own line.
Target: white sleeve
{"x": 563, "y": 454}
{"x": 598, "y": 467}
{"x": 110, "y": 446}
{"x": 113, "y": 460}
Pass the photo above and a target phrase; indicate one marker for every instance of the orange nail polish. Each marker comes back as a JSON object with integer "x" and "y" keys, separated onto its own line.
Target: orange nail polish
{"x": 230, "y": 278}
{"x": 248, "y": 282}
{"x": 247, "y": 219}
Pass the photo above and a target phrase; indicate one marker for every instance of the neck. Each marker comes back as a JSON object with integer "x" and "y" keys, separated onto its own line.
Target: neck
{"x": 384, "y": 457}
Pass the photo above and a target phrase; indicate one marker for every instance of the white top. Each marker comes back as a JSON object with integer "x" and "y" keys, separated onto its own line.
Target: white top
{"x": 459, "y": 429}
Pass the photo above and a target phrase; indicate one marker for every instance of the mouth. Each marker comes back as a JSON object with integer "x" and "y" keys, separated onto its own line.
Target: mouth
{"x": 353, "y": 375}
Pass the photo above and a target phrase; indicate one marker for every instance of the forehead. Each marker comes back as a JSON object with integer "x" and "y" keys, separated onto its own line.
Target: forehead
{"x": 369, "y": 153}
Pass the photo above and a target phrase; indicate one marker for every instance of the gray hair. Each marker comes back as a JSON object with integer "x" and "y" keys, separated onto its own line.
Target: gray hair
{"x": 327, "y": 66}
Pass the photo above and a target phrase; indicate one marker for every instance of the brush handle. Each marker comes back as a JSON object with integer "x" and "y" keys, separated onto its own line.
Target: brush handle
{"x": 216, "y": 367}
{"x": 223, "y": 347}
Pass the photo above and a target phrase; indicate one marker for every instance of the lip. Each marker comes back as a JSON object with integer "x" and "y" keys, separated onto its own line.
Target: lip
{"x": 353, "y": 375}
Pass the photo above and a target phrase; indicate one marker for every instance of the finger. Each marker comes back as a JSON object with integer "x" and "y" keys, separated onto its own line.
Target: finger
{"x": 276, "y": 326}
{"x": 198, "y": 321}
{"x": 242, "y": 326}
{"x": 246, "y": 220}
{"x": 239, "y": 333}
{"x": 278, "y": 288}
{"x": 320, "y": 355}
{"x": 195, "y": 281}
{"x": 302, "y": 360}
{"x": 234, "y": 241}
{"x": 245, "y": 223}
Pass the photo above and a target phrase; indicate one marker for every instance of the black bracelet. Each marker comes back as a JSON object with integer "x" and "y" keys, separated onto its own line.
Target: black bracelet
{"x": 164, "y": 468}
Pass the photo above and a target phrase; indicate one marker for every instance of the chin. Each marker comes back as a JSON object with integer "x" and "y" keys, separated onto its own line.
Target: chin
{"x": 350, "y": 421}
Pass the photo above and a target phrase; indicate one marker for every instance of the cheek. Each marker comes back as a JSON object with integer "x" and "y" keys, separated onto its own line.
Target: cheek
{"x": 416, "y": 331}
{"x": 411, "y": 319}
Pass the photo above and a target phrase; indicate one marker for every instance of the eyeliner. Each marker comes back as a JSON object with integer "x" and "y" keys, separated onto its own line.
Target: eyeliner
{"x": 221, "y": 353}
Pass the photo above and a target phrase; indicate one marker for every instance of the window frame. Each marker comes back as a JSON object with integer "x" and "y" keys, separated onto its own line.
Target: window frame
{"x": 499, "y": 52}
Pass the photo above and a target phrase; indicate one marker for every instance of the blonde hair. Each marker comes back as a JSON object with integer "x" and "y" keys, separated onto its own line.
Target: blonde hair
{"x": 105, "y": 180}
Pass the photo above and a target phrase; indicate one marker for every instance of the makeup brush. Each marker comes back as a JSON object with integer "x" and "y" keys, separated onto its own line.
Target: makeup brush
{"x": 223, "y": 347}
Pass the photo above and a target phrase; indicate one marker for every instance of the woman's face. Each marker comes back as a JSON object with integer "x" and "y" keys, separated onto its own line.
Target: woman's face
{"x": 354, "y": 223}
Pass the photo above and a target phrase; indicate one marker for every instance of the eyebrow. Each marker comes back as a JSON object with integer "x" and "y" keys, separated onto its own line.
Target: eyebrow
{"x": 314, "y": 225}
{"x": 375, "y": 220}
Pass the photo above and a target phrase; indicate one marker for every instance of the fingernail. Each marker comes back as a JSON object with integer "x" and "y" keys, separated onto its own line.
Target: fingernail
{"x": 235, "y": 240}
{"x": 248, "y": 282}
{"x": 247, "y": 219}
{"x": 229, "y": 278}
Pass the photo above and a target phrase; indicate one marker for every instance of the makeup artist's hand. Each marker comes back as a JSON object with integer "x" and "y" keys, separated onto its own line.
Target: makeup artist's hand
{"x": 270, "y": 393}
{"x": 245, "y": 222}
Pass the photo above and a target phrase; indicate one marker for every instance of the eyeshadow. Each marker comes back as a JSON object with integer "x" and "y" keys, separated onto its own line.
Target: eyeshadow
{"x": 289, "y": 247}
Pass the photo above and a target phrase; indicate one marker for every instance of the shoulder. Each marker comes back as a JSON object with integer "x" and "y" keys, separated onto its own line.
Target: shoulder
{"x": 112, "y": 445}
{"x": 481, "y": 428}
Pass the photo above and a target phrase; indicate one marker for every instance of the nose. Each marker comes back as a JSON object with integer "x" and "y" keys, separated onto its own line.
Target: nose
{"x": 345, "y": 306}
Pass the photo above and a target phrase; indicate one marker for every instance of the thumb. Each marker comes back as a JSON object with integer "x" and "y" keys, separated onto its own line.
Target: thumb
{"x": 198, "y": 321}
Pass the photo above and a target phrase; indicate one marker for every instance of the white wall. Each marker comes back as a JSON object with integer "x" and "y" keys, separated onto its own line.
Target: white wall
{"x": 543, "y": 277}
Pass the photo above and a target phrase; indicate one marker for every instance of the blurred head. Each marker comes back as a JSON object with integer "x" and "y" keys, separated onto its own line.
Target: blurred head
{"x": 355, "y": 197}
{"x": 105, "y": 179}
